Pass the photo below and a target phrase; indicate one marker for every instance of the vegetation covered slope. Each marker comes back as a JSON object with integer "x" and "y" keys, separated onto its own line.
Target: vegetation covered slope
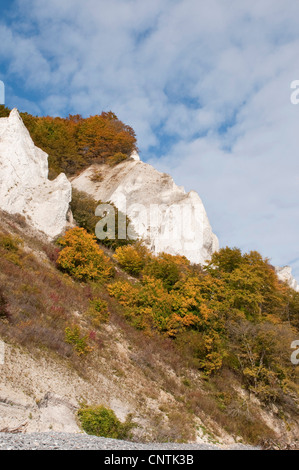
{"x": 201, "y": 356}
{"x": 65, "y": 326}
{"x": 234, "y": 313}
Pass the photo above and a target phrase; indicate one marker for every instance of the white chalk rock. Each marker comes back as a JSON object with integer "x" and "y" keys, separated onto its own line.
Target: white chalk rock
{"x": 24, "y": 185}
{"x": 284, "y": 274}
{"x": 163, "y": 215}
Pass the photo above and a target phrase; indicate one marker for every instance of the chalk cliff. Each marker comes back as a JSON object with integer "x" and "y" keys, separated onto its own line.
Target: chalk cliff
{"x": 285, "y": 275}
{"x": 24, "y": 185}
{"x": 163, "y": 214}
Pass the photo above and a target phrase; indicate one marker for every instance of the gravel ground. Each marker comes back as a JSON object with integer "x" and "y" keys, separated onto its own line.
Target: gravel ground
{"x": 63, "y": 441}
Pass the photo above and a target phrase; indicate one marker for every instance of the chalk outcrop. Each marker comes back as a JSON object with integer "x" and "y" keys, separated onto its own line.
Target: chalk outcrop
{"x": 24, "y": 185}
{"x": 284, "y": 274}
{"x": 162, "y": 213}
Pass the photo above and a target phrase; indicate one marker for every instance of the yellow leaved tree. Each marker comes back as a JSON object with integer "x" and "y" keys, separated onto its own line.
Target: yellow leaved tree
{"x": 82, "y": 258}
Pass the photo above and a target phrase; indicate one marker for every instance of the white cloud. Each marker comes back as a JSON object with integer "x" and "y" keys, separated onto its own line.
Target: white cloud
{"x": 212, "y": 77}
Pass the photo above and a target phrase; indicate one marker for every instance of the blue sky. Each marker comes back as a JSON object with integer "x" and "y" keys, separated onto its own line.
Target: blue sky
{"x": 205, "y": 85}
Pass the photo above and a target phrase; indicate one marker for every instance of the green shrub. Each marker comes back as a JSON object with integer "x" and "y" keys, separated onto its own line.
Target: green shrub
{"x": 98, "y": 312}
{"x": 96, "y": 177}
{"x": 3, "y": 305}
{"x": 116, "y": 158}
{"x": 166, "y": 267}
{"x": 9, "y": 243}
{"x": 10, "y": 249}
{"x": 132, "y": 258}
{"x": 102, "y": 422}
{"x": 83, "y": 207}
{"x": 74, "y": 337}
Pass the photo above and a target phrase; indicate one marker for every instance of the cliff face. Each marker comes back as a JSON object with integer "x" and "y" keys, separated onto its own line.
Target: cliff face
{"x": 24, "y": 185}
{"x": 284, "y": 274}
{"x": 163, "y": 214}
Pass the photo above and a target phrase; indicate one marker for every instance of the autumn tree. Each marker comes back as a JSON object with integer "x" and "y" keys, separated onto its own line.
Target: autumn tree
{"x": 166, "y": 267}
{"x": 74, "y": 143}
{"x": 82, "y": 257}
{"x": 4, "y": 112}
{"x": 252, "y": 286}
{"x": 132, "y": 258}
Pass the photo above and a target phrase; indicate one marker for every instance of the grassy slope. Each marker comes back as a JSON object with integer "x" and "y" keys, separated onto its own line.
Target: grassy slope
{"x": 126, "y": 370}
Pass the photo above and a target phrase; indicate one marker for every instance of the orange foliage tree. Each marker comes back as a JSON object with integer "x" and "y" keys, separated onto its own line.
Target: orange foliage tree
{"x": 82, "y": 257}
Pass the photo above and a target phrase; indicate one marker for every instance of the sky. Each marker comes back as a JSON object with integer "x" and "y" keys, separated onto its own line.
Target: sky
{"x": 206, "y": 85}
